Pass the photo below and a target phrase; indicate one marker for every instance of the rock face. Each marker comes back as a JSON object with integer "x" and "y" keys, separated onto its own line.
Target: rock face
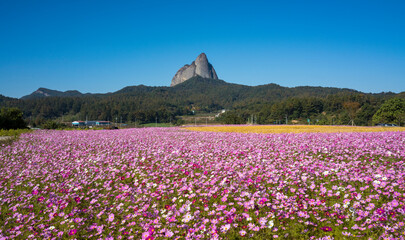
{"x": 200, "y": 67}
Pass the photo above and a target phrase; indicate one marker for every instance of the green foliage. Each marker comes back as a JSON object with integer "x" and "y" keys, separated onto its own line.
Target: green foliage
{"x": 13, "y": 132}
{"x": 53, "y": 125}
{"x": 392, "y": 111}
{"x": 232, "y": 117}
{"x": 142, "y": 104}
{"x": 11, "y": 118}
{"x": 352, "y": 109}
{"x": 178, "y": 121}
{"x": 156, "y": 125}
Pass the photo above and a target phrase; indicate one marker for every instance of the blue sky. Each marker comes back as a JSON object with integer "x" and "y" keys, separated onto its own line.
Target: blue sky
{"x": 103, "y": 46}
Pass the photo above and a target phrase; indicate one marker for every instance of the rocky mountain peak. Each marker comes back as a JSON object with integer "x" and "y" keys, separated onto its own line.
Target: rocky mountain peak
{"x": 200, "y": 67}
{"x": 202, "y": 57}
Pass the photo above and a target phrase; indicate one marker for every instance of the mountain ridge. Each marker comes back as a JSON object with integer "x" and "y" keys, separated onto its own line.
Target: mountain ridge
{"x": 201, "y": 82}
{"x": 46, "y": 92}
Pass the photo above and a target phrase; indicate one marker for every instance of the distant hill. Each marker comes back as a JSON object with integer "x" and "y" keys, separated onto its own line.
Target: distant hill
{"x": 197, "y": 94}
{"x": 5, "y": 99}
{"x": 44, "y": 92}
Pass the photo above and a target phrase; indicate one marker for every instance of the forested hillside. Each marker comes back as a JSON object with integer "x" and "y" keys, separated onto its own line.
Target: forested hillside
{"x": 263, "y": 104}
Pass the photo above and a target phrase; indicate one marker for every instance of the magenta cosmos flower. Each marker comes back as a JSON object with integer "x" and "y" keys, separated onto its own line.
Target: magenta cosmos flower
{"x": 326, "y": 229}
{"x": 72, "y": 231}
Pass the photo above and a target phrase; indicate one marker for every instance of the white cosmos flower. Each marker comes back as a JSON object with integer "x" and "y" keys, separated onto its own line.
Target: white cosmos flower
{"x": 270, "y": 224}
{"x": 187, "y": 218}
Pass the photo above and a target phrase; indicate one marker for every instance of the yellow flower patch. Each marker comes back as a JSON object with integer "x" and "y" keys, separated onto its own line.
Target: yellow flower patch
{"x": 291, "y": 129}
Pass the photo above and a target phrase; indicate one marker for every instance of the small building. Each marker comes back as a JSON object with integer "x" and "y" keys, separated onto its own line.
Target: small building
{"x": 90, "y": 123}
{"x": 78, "y": 123}
{"x": 103, "y": 123}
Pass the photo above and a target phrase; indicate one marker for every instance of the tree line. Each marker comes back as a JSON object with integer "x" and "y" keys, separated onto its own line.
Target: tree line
{"x": 266, "y": 104}
{"x": 359, "y": 110}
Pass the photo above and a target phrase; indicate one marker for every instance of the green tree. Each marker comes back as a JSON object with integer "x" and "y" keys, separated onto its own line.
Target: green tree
{"x": 392, "y": 111}
{"x": 351, "y": 108}
{"x": 11, "y": 118}
{"x": 231, "y": 117}
{"x": 53, "y": 125}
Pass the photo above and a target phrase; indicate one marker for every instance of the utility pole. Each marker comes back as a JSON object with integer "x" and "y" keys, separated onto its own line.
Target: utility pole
{"x": 156, "y": 121}
{"x": 286, "y": 119}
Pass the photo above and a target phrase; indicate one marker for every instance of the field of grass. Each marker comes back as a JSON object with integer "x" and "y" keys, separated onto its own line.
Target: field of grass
{"x": 291, "y": 129}
{"x": 8, "y": 136}
{"x": 13, "y": 132}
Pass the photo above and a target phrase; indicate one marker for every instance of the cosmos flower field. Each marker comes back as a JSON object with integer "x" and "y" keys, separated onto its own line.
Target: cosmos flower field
{"x": 170, "y": 183}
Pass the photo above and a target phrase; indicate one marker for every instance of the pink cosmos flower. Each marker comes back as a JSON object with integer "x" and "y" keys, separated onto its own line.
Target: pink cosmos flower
{"x": 225, "y": 227}
{"x": 111, "y": 217}
{"x": 263, "y": 201}
{"x": 169, "y": 233}
{"x": 242, "y": 232}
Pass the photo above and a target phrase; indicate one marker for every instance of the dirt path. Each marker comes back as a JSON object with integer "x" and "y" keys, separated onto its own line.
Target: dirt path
{"x": 4, "y": 139}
